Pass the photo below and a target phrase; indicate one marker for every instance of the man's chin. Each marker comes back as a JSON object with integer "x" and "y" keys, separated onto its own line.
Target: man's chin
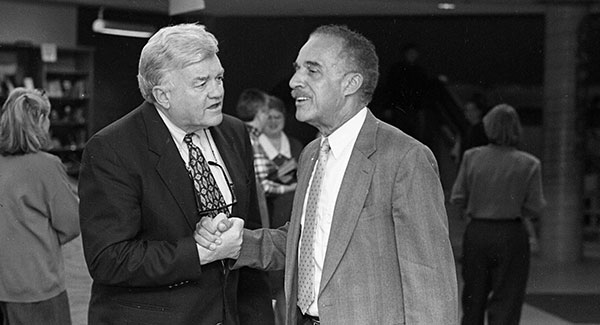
{"x": 218, "y": 119}
{"x": 214, "y": 120}
{"x": 302, "y": 116}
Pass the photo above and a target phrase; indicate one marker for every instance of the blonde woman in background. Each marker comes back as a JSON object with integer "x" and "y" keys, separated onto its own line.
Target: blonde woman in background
{"x": 283, "y": 152}
{"x": 38, "y": 214}
{"x": 499, "y": 187}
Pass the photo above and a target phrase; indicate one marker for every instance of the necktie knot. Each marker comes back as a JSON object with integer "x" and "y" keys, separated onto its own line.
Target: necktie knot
{"x": 188, "y": 138}
{"x": 325, "y": 148}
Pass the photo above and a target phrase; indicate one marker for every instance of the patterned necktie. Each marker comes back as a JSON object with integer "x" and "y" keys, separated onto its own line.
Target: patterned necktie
{"x": 306, "y": 267}
{"x": 208, "y": 195}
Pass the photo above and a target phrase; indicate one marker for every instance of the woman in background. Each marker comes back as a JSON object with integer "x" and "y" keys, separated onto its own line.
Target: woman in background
{"x": 498, "y": 186}
{"x": 38, "y": 214}
{"x": 283, "y": 152}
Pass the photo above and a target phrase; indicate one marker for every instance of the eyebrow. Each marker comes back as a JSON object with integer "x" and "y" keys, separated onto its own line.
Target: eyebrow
{"x": 201, "y": 79}
{"x": 206, "y": 76}
{"x": 312, "y": 64}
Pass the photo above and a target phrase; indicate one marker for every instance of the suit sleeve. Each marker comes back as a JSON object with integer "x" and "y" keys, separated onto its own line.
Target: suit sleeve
{"x": 111, "y": 224}
{"x": 427, "y": 266}
{"x": 263, "y": 249}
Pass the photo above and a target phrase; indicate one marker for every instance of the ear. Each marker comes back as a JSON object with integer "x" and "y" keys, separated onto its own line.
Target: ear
{"x": 352, "y": 83}
{"x": 162, "y": 96}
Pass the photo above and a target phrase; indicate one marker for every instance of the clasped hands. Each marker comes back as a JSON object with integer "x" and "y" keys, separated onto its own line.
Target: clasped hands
{"x": 218, "y": 238}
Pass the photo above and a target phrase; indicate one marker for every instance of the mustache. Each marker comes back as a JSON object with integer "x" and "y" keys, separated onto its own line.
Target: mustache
{"x": 298, "y": 93}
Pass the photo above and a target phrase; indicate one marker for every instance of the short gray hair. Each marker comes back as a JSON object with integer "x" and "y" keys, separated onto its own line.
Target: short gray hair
{"x": 172, "y": 48}
{"x": 359, "y": 54}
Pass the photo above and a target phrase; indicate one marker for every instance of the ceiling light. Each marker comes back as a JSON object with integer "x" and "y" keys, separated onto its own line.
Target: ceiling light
{"x": 446, "y": 6}
{"x": 178, "y": 7}
{"x": 100, "y": 25}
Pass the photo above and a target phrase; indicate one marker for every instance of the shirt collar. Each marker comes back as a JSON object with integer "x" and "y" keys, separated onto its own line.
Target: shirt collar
{"x": 347, "y": 133}
{"x": 270, "y": 150}
{"x": 177, "y": 133}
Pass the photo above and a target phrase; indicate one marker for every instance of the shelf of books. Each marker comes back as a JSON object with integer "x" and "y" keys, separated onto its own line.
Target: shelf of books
{"x": 66, "y": 74}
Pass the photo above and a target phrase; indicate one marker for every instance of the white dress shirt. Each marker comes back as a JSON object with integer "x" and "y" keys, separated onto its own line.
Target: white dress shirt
{"x": 341, "y": 142}
{"x": 270, "y": 149}
{"x": 205, "y": 142}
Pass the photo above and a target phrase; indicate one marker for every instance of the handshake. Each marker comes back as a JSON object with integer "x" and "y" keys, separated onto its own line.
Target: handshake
{"x": 218, "y": 238}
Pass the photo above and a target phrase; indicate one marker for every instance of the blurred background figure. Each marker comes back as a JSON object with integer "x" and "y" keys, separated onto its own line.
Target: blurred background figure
{"x": 38, "y": 214}
{"x": 406, "y": 87}
{"x": 474, "y": 110}
{"x": 252, "y": 108}
{"x": 254, "y": 297}
{"x": 419, "y": 103}
{"x": 498, "y": 186}
{"x": 283, "y": 152}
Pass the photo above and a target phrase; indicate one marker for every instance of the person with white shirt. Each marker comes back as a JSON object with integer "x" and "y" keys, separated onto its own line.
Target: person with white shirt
{"x": 282, "y": 152}
{"x": 149, "y": 177}
{"x": 368, "y": 238}
{"x": 280, "y": 167}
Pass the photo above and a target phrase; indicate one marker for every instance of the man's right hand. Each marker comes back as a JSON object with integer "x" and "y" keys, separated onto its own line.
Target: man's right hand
{"x": 224, "y": 245}
{"x": 208, "y": 230}
{"x": 218, "y": 238}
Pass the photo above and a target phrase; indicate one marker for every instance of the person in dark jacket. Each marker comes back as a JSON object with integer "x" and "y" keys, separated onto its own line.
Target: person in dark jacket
{"x": 148, "y": 178}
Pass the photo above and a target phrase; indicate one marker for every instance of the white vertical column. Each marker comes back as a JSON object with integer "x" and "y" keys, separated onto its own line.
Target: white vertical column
{"x": 562, "y": 165}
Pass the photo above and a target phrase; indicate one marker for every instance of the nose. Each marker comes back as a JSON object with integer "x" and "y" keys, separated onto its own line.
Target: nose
{"x": 295, "y": 81}
{"x": 217, "y": 90}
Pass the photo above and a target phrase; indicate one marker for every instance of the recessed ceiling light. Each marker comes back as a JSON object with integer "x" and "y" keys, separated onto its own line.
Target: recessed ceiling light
{"x": 446, "y": 6}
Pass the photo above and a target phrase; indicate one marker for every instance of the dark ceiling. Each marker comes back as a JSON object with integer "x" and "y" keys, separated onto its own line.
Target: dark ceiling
{"x": 338, "y": 7}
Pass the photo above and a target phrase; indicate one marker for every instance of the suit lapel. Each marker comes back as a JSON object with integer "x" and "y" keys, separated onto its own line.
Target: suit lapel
{"x": 170, "y": 166}
{"x": 234, "y": 165}
{"x": 351, "y": 197}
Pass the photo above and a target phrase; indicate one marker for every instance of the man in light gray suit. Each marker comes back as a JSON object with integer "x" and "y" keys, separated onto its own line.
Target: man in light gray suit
{"x": 368, "y": 238}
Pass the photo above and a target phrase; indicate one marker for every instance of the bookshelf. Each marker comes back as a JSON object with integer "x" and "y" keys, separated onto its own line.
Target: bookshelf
{"x": 67, "y": 76}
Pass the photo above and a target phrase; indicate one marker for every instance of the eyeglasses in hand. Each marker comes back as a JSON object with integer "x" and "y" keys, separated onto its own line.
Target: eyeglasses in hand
{"x": 230, "y": 186}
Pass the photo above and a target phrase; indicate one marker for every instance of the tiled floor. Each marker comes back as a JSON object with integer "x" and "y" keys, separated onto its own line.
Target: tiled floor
{"x": 574, "y": 278}
{"x": 583, "y": 277}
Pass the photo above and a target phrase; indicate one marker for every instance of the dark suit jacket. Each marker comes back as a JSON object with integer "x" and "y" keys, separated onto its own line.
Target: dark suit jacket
{"x": 388, "y": 259}
{"x": 138, "y": 215}
{"x": 280, "y": 205}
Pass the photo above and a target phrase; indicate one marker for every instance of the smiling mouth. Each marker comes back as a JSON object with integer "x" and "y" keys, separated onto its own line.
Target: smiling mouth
{"x": 299, "y": 96}
{"x": 301, "y": 100}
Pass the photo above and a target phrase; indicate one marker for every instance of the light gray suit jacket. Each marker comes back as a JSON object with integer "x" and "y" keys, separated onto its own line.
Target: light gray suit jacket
{"x": 389, "y": 259}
